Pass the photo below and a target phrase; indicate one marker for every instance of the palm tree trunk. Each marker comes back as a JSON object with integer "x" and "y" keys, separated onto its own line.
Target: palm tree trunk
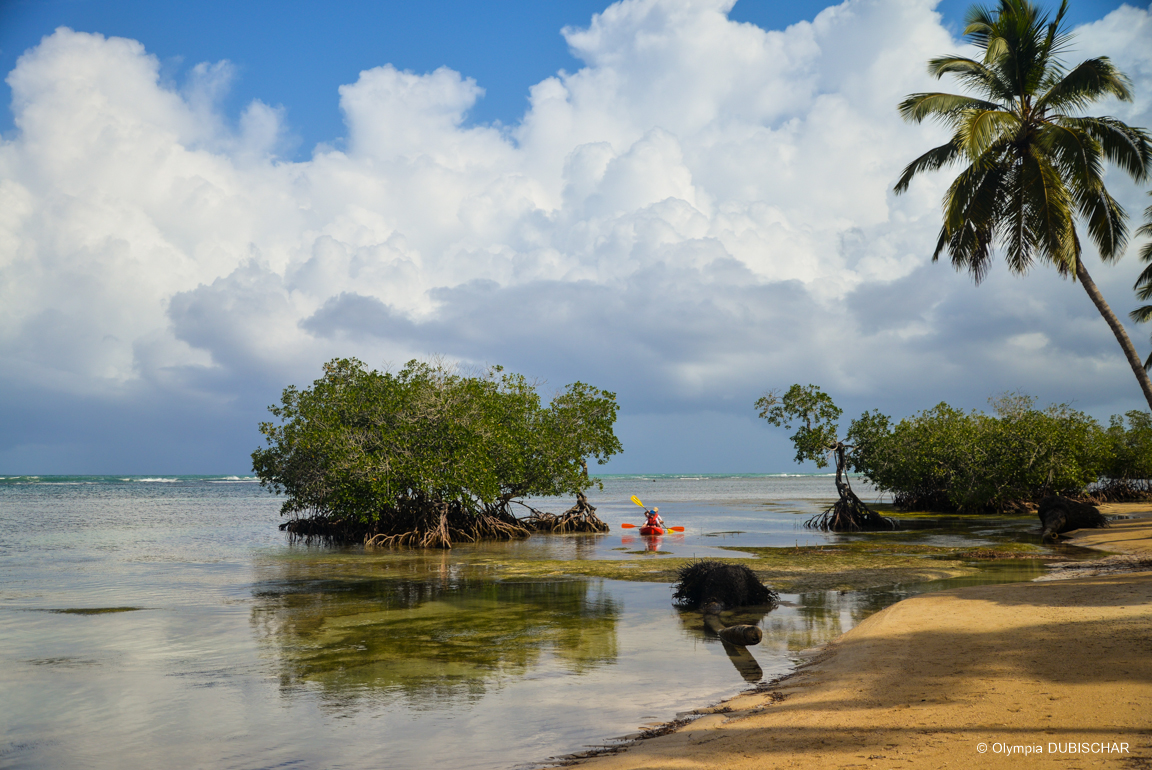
{"x": 1114, "y": 324}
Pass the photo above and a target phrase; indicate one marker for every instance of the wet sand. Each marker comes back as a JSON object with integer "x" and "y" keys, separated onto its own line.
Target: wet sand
{"x": 1045, "y": 674}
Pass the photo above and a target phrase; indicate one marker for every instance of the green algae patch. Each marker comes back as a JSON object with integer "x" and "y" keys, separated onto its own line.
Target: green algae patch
{"x": 871, "y": 565}
{"x": 94, "y": 610}
{"x": 646, "y": 570}
{"x": 860, "y": 565}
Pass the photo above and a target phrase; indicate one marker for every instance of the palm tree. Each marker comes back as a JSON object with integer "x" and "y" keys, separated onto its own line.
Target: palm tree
{"x": 1034, "y": 166}
{"x": 1144, "y": 282}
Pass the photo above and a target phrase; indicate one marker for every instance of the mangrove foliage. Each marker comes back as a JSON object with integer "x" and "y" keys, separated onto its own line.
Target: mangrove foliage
{"x": 817, "y": 420}
{"x": 946, "y": 459}
{"x": 429, "y": 456}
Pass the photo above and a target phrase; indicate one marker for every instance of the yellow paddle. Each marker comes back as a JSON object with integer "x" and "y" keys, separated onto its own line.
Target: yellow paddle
{"x": 636, "y": 500}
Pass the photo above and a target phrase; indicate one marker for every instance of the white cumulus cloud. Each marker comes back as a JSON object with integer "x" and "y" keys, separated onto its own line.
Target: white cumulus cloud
{"x": 700, "y": 212}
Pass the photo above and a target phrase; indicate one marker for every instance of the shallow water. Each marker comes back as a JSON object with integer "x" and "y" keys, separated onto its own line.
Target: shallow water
{"x": 233, "y": 648}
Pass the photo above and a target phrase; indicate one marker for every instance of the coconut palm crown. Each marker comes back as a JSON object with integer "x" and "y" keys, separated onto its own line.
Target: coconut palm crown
{"x": 1034, "y": 165}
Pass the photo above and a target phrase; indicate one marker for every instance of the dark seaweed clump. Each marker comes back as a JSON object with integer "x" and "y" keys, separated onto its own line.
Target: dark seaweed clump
{"x": 731, "y": 585}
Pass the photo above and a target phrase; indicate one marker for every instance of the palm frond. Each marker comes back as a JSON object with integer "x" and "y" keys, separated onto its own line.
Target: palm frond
{"x": 1078, "y": 154}
{"x": 917, "y": 107}
{"x": 1018, "y": 234}
{"x": 982, "y": 128}
{"x": 978, "y": 25}
{"x": 1049, "y": 208}
{"x": 1106, "y": 221}
{"x": 1088, "y": 82}
{"x": 1142, "y": 315}
{"x": 997, "y": 49}
{"x": 1057, "y": 38}
{"x": 1145, "y": 230}
{"x": 1143, "y": 285}
{"x": 972, "y": 74}
{"x": 1079, "y": 157}
{"x": 1128, "y": 147}
{"x": 971, "y": 215}
{"x": 934, "y": 159}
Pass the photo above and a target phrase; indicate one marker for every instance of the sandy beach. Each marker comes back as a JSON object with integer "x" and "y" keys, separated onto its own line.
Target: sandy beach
{"x": 1042, "y": 674}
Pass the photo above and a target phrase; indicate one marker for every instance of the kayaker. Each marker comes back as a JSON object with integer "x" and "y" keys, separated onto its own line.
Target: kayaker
{"x": 654, "y": 519}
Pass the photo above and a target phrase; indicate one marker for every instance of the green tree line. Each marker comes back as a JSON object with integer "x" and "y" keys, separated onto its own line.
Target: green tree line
{"x": 947, "y": 459}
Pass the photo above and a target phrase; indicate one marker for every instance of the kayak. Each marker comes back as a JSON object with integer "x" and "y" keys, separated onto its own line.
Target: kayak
{"x": 651, "y": 530}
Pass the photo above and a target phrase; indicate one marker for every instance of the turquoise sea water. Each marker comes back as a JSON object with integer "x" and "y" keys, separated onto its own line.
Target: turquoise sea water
{"x": 165, "y": 621}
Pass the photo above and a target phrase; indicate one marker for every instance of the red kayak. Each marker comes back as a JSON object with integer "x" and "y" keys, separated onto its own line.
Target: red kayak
{"x": 651, "y": 530}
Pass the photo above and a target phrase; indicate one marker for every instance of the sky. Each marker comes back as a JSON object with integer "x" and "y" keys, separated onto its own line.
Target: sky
{"x": 686, "y": 202}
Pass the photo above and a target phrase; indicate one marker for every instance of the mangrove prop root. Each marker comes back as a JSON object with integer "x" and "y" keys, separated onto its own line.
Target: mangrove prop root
{"x": 437, "y": 524}
{"x": 1123, "y": 491}
{"x": 415, "y": 525}
{"x": 581, "y": 517}
{"x": 849, "y": 513}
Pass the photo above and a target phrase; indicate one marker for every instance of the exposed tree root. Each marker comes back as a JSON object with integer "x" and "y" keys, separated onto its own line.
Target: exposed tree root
{"x": 1122, "y": 491}
{"x": 440, "y": 529}
{"x": 328, "y": 530}
{"x": 849, "y": 513}
{"x": 416, "y": 525}
{"x": 581, "y": 517}
{"x": 439, "y": 525}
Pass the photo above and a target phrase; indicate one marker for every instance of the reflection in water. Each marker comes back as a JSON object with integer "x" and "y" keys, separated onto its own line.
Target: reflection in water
{"x": 744, "y": 662}
{"x": 741, "y": 657}
{"x": 431, "y": 636}
{"x": 650, "y": 543}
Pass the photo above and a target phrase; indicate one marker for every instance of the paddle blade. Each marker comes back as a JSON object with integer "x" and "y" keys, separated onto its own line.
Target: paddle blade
{"x": 636, "y": 500}
{"x": 675, "y": 529}
{"x": 628, "y": 526}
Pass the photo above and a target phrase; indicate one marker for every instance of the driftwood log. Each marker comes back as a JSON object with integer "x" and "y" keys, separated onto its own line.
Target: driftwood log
{"x": 1061, "y": 514}
{"x": 742, "y": 635}
{"x": 736, "y": 640}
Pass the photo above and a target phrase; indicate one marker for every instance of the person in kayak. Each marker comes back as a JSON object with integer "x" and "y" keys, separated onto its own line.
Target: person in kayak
{"x": 654, "y": 519}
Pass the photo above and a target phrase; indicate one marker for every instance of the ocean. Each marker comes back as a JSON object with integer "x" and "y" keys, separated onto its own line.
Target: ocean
{"x": 165, "y": 621}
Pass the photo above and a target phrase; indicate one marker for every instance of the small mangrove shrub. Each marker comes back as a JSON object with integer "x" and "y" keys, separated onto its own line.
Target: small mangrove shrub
{"x": 817, "y": 426}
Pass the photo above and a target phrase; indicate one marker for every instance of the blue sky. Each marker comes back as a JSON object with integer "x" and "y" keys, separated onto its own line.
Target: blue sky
{"x": 296, "y": 53}
{"x": 200, "y": 203}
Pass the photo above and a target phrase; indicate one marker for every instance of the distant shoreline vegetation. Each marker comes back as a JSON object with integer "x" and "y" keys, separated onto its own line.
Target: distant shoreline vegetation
{"x": 945, "y": 459}
{"x": 948, "y": 460}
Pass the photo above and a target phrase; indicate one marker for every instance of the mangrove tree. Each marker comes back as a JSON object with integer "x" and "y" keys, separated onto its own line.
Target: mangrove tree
{"x": 429, "y": 456}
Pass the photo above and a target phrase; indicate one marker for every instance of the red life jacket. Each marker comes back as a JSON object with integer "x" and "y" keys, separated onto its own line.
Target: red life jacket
{"x": 653, "y": 520}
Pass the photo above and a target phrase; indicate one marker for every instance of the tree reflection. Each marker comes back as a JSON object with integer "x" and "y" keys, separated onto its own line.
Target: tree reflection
{"x": 424, "y": 631}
